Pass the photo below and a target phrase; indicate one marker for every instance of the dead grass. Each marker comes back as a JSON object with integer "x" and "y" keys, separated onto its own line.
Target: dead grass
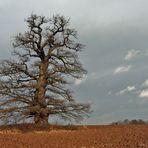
{"x": 30, "y": 136}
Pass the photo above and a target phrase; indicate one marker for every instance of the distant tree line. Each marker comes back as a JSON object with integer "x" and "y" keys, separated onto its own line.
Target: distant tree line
{"x": 127, "y": 121}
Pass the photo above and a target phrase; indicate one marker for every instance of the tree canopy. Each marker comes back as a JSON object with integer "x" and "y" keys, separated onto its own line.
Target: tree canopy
{"x": 34, "y": 83}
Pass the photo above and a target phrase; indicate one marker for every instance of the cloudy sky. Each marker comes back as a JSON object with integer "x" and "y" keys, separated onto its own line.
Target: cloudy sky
{"x": 115, "y": 33}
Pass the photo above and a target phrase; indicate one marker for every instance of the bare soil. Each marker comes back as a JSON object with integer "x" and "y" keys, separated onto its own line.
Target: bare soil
{"x": 109, "y": 136}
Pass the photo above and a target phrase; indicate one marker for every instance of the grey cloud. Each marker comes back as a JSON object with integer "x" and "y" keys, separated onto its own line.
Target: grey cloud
{"x": 109, "y": 29}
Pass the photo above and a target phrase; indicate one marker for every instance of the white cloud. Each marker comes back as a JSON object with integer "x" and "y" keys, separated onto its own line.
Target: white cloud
{"x": 82, "y": 80}
{"x": 130, "y": 88}
{"x": 144, "y": 94}
{"x": 131, "y": 54}
{"x": 78, "y": 81}
{"x": 122, "y": 69}
{"x": 145, "y": 83}
{"x": 127, "y": 89}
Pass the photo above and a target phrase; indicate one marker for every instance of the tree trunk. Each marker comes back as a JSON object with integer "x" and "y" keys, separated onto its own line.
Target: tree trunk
{"x": 41, "y": 116}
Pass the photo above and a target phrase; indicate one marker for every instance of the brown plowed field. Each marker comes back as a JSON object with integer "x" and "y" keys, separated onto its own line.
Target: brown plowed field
{"x": 123, "y": 136}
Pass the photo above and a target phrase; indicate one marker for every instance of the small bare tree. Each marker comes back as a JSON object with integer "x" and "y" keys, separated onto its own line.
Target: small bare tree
{"x": 34, "y": 84}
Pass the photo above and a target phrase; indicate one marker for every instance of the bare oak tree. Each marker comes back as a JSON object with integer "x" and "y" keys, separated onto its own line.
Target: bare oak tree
{"x": 34, "y": 84}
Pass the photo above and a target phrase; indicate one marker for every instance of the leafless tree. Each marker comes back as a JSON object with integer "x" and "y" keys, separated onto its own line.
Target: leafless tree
{"x": 33, "y": 85}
